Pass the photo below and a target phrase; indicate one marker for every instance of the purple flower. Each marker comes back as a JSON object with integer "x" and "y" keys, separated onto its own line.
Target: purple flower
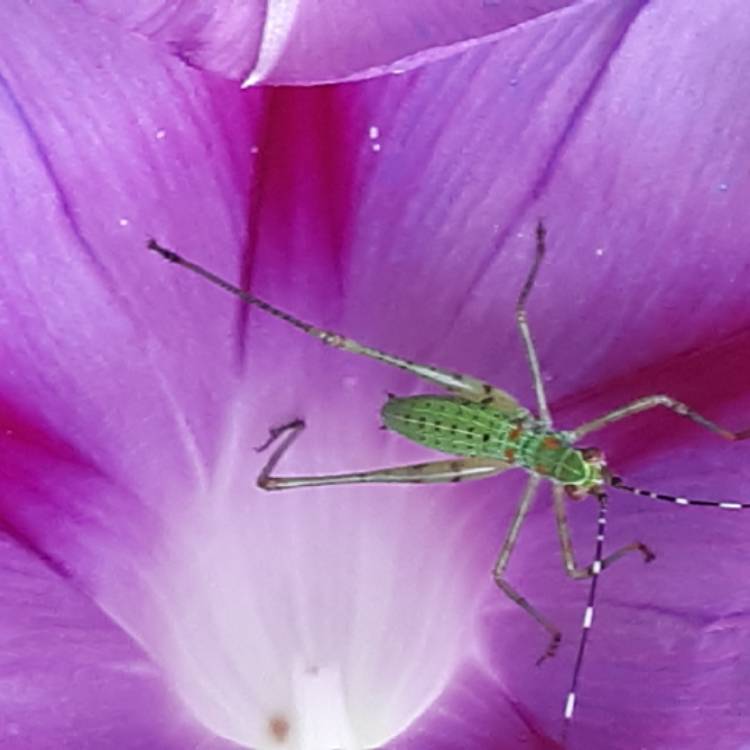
{"x": 152, "y": 596}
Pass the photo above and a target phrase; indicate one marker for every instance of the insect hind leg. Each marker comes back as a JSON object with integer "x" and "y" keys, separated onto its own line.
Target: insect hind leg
{"x": 274, "y": 433}
{"x": 444, "y": 471}
{"x": 455, "y": 382}
{"x": 287, "y": 433}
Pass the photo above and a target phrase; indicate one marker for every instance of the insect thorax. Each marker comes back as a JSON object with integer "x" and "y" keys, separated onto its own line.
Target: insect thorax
{"x": 460, "y": 427}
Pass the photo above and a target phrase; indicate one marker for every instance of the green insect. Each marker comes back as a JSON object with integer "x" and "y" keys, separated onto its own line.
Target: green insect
{"x": 486, "y": 432}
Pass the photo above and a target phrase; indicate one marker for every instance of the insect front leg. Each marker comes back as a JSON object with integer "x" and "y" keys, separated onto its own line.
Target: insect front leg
{"x": 650, "y": 402}
{"x": 523, "y": 327}
{"x": 448, "y": 470}
{"x": 502, "y": 563}
{"x": 566, "y": 543}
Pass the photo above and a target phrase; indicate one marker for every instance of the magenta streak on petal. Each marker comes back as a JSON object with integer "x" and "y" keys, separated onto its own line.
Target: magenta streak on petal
{"x": 108, "y": 281}
{"x": 99, "y": 231}
{"x": 303, "y": 154}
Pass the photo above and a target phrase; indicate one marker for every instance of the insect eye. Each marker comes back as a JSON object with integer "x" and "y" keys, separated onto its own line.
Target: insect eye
{"x": 593, "y": 455}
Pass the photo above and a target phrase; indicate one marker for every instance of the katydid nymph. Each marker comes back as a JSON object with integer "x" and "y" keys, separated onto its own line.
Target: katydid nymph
{"x": 485, "y": 432}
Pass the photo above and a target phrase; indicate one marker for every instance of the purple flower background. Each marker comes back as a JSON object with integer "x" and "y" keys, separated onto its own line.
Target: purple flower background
{"x": 151, "y": 596}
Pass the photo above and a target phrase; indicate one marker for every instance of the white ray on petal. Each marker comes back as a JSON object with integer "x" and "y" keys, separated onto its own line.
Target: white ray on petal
{"x": 320, "y": 702}
{"x": 310, "y": 620}
{"x": 280, "y": 18}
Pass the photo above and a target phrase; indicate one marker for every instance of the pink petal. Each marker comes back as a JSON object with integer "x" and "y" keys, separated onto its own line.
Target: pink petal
{"x": 70, "y": 678}
{"x": 309, "y": 41}
{"x": 392, "y": 245}
{"x": 116, "y": 468}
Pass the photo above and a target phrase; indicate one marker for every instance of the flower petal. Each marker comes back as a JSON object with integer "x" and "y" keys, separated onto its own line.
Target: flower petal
{"x": 70, "y": 678}
{"x": 89, "y": 180}
{"x": 309, "y": 41}
{"x": 102, "y": 466}
{"x": 325, "y": 619}
{"x": 408, "y": 266}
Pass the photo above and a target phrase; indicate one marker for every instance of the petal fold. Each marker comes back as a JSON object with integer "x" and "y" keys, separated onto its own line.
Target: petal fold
{"x": 310, "y": 41}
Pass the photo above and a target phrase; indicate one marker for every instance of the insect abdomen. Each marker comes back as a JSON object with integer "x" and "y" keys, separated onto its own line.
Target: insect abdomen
{"x": 453, "y": 425}
{"x": 468, "y": 428}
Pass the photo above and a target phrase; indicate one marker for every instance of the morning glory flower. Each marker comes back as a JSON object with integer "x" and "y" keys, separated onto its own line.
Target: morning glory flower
{"x": 153, "y": 597}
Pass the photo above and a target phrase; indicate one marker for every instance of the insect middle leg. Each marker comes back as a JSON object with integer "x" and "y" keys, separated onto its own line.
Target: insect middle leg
{"x": 502, "y": 563}
{"x": 566, "y": 543}
{"x": 650, "y": 402}
{"x": 523, "y": 327}
{"x": 449, "y": 470}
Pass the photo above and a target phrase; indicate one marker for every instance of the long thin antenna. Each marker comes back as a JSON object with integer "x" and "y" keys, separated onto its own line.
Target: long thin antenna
{"x": 588, "y": 615}
{"x": 617, "y": 483}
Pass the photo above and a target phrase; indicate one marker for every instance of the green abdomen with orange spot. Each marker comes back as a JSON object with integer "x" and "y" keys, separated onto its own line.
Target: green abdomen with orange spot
{"x": 468, "y": 428}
